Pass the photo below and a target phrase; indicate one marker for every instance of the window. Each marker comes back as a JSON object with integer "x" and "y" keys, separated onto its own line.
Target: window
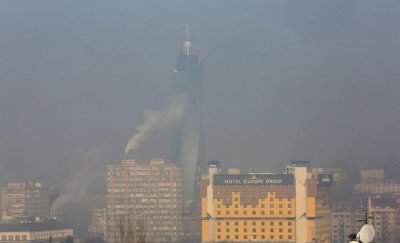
{"x": 289, "y": 237}
{"x": 254, "y": 230}
{"x": 245, "y": 237}
{"x": 245, "y": 223}
{"x": 236, "y": 206}
{"x": 280, "y": 223}
{"x": 289, "y": 205}
{"x": 271, "y": 237}
{"x": 24, "y": 237}
{"x": 218, "y": 212}
{"x": 219, "y": 230}
{"x": 271, "y": 223}
{"x": 219, "y": 223}
{"x": 17, "y": 237}
{"x": 236, "y": 212}
{"x": 280, "y": 230}
{"x": 271, "y": 199}
{"x": 227, "y": 212}
{"x": 271, "y": 212}
{"x": 289, "y": 223}
{"x": 280, "y": 212}
{"x": 236, "y": 199}
{"x": 262, "y": 205}
{"x": 262, "y": 223}
{"x": 236, "y": 230}
{"x": 227, "y": 237}
{"x": 219, "y": 237}
{"x": 254, "y": 212}
{"x": 245, "y": 230}
{"x": 227, "y": 223}
{"x": 10, "y": 237}
{"x": 245, "y": 212}
{"x": 263, "y": 237}
{"x": 236, "y": 237}
{"x": 3, "y": 238}
{"x": 289, "y": 230}
{"x": 236, "y": 223}
{"x": 227, "y": 230}
{"x": 280, "y": 205}
{"x": 263, "y": 230}
{"x": 271, "y": 230}
{"x": 254, "y": 223}
{"x": 280, "y": 237}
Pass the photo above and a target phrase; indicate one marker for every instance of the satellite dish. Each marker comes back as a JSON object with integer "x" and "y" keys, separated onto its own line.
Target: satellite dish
{"x": 366, "y": 234}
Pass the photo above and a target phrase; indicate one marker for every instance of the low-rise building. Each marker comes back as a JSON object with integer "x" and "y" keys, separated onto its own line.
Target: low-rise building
{"x": 37, "y": 231}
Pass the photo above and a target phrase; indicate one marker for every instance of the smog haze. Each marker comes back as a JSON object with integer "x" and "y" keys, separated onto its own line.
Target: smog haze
{"x": 283, "y": 80}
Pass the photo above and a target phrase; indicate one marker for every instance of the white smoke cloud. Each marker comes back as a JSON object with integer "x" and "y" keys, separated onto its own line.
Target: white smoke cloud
{"x": 157, "y": 120}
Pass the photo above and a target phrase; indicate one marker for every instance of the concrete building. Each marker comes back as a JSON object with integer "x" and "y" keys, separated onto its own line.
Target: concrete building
{"x": 339, "y": 174}
{"x": 265, "y": 207}
{"x": 20, "y": 199}
{"x": 372, "y": 176}
{"x": 385, "y": 213}
{"x": 345, "y": 219}
{"x": 37, "y": 231}
{"x": 373, "y": 183}
{"x": 145, "y": 197}
{"x": 98, "y": 223}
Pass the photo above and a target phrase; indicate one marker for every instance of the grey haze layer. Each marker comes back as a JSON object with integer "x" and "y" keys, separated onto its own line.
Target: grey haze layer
{"x": 284, "y": 80}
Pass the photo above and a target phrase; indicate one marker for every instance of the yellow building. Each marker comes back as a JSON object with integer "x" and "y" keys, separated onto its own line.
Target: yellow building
{"x": 265, "y": 207}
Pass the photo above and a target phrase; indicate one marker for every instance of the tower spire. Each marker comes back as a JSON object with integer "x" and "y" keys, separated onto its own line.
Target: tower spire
{"x": 187, "y": 43}
{"x": 187, "y": 34}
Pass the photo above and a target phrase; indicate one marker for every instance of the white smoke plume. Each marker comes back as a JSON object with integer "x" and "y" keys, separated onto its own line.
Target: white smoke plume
{"x": 157, "y": 120}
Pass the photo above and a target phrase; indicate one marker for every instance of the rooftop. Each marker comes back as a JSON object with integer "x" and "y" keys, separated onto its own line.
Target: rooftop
{"x": 50, "y": 224}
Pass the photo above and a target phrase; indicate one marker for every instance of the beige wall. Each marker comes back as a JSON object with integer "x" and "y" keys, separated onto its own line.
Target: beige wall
{"x": 39, "y": 235}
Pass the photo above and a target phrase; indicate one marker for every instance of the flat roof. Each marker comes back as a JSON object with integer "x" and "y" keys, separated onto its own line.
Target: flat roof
{"x": 46, "y": 225}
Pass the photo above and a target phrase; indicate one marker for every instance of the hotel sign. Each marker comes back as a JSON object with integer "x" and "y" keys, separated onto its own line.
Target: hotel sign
{"x": 254, "y": 179}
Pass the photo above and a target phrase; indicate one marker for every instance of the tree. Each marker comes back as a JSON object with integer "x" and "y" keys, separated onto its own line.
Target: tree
{"x": 131, "y": 231}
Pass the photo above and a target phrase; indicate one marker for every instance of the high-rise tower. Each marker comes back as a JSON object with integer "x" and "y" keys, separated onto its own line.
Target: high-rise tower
{"x": 187, "y": 145}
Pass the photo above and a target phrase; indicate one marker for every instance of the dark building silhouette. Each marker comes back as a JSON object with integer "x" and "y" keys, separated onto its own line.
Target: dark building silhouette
{"x": 187, "y": 145}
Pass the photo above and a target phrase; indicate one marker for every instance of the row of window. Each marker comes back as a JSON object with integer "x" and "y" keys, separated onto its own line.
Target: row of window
{"x": 13, "y": 237}
{"x": 253, "y": 206}
{"x": 271, "y": 223}
{"x": 254, "y": 230}
{"x": 271, "y": 212}
{"x": 254, "y": 237}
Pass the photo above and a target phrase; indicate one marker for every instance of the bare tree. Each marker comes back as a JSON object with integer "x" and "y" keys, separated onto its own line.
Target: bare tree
{"x": 131, "y": 231}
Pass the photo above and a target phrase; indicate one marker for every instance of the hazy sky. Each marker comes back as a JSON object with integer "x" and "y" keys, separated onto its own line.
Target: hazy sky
{"x": 307, "y": 80}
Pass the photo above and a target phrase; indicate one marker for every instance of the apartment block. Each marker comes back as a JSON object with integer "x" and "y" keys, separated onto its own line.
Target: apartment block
{"x": 21, "y": 199}
{"x": 144, "y": 200}
{"x": 385, "y": 217}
